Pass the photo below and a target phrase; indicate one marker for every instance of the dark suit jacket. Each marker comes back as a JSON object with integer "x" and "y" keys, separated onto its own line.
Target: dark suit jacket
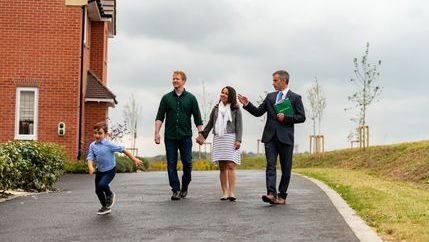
{"x": 284, "y": 130}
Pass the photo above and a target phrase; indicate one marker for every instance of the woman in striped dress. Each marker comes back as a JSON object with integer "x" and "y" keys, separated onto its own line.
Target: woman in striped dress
{"x": 226, "y": 122}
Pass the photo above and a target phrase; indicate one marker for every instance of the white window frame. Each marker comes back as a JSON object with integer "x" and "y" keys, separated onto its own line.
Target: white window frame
{"x": 36, "y": 112}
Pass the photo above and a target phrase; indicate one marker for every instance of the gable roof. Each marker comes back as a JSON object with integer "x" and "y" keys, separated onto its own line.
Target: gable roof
{"x": 97, "y": 92}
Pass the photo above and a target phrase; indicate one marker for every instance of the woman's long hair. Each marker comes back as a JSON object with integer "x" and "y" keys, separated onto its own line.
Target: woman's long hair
{"x": 232, "y": 97}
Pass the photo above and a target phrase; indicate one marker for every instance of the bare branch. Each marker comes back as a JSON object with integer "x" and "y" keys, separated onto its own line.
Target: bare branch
{"x": 368, "y": 91}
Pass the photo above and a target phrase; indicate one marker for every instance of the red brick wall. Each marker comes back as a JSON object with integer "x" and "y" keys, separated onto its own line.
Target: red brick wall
{"x": 99, "y": 49}
{"x": 40, "y": 46}
{"x": 94, "y": 113}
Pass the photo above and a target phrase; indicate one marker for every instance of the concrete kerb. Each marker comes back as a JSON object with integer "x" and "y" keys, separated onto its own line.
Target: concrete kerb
{"x": 362, "y": 231}
{"x": 16, "y": 194}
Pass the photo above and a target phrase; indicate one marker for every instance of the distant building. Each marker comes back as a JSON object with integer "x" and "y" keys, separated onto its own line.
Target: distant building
{"x": 53, "y": 70}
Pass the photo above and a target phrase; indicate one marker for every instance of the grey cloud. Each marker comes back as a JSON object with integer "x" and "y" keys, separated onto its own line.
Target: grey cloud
{"x": 241, "y": 43}
{"x": 185, "y": 21}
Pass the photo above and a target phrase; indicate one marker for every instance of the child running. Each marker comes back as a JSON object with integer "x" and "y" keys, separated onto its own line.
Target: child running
{"x": 102, "y": 152}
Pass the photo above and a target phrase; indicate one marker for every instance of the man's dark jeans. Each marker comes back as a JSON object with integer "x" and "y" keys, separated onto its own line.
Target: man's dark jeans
{"x": 102, "y": 181}
{"x": 273, "y": 149}
{"x": 185, "y": 147}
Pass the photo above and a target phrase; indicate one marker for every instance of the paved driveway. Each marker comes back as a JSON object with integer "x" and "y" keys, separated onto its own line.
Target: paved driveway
{"x": 144, "y": 211}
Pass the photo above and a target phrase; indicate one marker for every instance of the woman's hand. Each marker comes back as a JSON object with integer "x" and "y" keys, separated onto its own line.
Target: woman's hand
{"x": 237, "y": 145}
{"x": 200, "y": 139}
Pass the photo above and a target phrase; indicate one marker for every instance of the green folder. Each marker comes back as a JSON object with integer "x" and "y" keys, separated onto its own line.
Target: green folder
{"x": 284, "y": 107}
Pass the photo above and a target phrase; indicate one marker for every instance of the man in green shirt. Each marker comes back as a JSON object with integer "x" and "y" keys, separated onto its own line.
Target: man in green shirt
{"x": 177, "y": 107}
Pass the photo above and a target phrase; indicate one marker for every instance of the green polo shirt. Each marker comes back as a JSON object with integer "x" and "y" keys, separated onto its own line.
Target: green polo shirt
{"x": 177, "y": 111}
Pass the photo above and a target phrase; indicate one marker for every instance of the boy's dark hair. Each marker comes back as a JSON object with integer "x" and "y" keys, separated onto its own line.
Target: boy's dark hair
{"x": 101, "y": 125}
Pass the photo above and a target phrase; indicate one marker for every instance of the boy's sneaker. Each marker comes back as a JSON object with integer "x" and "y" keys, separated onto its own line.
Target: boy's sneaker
{"x": 110, "y": 200}
{"x": 103, "y": 210}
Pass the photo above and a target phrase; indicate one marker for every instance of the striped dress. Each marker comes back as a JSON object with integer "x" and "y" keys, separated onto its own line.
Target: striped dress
{"x": 224, "y": 150}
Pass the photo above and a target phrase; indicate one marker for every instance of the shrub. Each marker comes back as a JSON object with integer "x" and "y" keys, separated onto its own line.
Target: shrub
{"x": 30, "y": 165}
{"x": 145, "y": 164}
{"x": 79, "y": 167}
{"x": 197, "y": 165}
{"x": 123, "y": 164}
{"x": 158, "y": 165}
{"x": 7, "y": 172}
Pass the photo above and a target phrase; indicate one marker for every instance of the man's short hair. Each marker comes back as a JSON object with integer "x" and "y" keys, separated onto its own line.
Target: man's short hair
{"x": 181, "y": 73}
{"x": 101, "y": 125}
{"x": 283, "y": 75}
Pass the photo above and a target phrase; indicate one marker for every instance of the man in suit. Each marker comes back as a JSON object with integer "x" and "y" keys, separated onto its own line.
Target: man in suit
{"x": 278, "y": 136}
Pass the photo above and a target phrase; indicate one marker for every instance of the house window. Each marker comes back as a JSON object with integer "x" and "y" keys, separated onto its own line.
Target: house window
{"x": 26, "y": 113}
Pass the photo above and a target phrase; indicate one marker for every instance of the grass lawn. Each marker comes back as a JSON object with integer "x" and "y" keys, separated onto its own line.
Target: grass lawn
{"x": 398, "y": 210}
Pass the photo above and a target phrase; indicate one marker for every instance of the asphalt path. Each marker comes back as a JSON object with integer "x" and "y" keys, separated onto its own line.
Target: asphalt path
{"x": 143, "y": 211}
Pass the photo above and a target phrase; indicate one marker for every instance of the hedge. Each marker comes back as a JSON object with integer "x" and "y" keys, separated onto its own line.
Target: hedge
{"x": 30, "y": 165}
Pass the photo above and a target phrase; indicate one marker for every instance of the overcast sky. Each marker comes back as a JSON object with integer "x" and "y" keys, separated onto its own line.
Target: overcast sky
{"x": 242, "y": 42}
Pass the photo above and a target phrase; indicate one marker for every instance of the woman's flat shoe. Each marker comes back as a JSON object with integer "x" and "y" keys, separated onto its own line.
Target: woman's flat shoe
{"x": 232, "y": 199}
{"x": 223, "y": 198}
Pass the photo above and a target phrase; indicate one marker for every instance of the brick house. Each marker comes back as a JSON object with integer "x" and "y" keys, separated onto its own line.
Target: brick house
{"x": 53, "y": 70}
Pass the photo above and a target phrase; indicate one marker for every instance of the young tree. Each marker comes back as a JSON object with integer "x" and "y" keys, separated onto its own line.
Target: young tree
{"x": 317, "y": 100}
{"x": 354, "y": 133}
{"x": 132, "y": 115}
{"x": 206, "y": 105}
{"x": 365, "y": 76}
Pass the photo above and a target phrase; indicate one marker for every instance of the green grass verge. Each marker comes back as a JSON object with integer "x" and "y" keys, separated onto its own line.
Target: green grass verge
{"x": 398, "y": 210}
{"x": 402, "y": 162}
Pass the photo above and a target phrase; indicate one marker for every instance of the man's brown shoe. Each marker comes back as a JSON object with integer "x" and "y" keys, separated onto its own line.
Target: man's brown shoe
{"x": 269, "y": 198}
{"x": 280, "y": 201}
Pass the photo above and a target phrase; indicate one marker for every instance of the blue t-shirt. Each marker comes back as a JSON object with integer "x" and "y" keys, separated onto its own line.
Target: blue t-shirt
{"x": 103, "y": 154}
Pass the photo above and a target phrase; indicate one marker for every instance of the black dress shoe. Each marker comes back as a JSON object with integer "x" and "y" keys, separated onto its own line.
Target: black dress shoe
{"x": 223, "y": 198}
{"x": 183, "y": 193}
{"x": 175, "y": 196}
{"x": 269, "y": 198}
{"x": 232, "y": 199}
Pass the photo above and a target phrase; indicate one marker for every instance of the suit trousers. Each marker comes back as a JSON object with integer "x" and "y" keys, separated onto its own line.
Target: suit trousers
{"x": 273, "y": 149}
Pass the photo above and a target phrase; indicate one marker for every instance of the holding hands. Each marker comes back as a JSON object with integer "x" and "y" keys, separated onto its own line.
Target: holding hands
{"x": 200, "y": 139}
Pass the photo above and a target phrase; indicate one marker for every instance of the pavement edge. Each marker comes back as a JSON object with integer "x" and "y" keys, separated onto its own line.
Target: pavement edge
{"x": 362, "y": 231}
{"x": 16, "y": 194}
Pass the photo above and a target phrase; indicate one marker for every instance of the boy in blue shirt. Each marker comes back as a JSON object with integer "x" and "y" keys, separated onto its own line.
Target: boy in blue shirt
{"x": 102, "y": 152}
